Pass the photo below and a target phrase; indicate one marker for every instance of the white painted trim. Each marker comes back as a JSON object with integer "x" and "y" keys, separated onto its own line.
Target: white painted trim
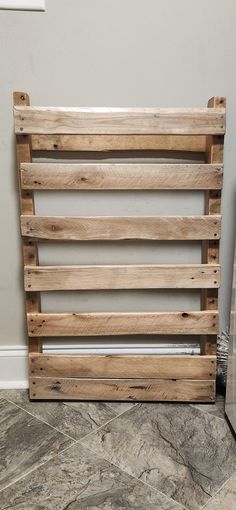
{"x": 23, "y": 5}
{"x": 113, "y": 350}
{"x": 13, "y": 367}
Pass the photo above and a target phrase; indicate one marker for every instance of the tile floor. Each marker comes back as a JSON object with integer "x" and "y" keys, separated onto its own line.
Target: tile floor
{"x": 114, "y": 456}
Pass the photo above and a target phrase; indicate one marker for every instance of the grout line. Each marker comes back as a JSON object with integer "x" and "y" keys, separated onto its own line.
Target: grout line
{"x": 64, "y": 433}
{"x": 104, "y": 424}
{"x": 37, "y": 467}
{"x": 75, "y": 442}
{"x": 40, "y": 419}
{"x": 119, "y": 401}
{"x": 206, "y": 412}
{"x": 219, "y": 490}
{"x": 80, "y": 442}
{"x": 181, "y": 507}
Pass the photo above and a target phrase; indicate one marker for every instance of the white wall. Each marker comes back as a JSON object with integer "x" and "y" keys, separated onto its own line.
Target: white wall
{"x": 113, "y": 53}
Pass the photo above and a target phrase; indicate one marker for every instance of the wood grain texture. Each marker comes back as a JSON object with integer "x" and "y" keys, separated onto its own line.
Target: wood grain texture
{"x": 210, "y": 249}
{"x": 121, "y": 389}
{"x": 137, "y": 377}
{"x": 150, "y": 276}
{"x": 30, "y": 250}
{"x": 99, "y": 324}
{"x": 106, "y": 228}
{"x": 189, "y": 143}
{"x": 92, "y": 176}
{"x": 110, "y": 366}
{"x": 179, "y": 121}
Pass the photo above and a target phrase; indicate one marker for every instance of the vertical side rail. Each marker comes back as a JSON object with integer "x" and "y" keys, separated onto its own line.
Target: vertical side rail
{"x": 210, "y": 249}
{"x": 30, "y": 249}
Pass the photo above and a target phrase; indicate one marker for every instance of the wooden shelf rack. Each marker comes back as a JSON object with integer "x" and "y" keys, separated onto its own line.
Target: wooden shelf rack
{"x": 121, "y": 377}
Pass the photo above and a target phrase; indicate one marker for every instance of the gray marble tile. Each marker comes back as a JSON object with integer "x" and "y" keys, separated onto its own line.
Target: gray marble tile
{"x": 79, "y": 480}
{"x": 179, "y": 450}
{"x": 25, "y": 442}
{"x": 76, "y": 420}
{"x": 226, "y": 497}
{"x": 217, "y": 409}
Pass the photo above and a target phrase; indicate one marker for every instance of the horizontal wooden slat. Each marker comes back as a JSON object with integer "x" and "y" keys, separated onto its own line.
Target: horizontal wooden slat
{"x": 180, "y": 121}
{"x": 106, "y": 176}
{"x": 180, "y": 390}
{"x": 162, "y": 367}
{"x": 98, "y": 324}
{"x": 87, "y": 228}
{"x": 189, "y": 143}
{"x": 122, "y": 277}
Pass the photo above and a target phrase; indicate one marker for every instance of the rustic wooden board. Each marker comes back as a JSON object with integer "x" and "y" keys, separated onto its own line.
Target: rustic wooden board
{"x": 106, "y": 228}
{"x": 110, "y": 366}
{"x": 179, "y": 121}
{"x": 99, "y": 324}
{"x": 121, "y": 377}
{"x": 92, "y": 176}
{"x": 43, "y": 278}
{"x": 189, "y": 143}
{"x": 30, "y": 250}
{"x": 122, "y": 389}
{"x": 210, "y": 249}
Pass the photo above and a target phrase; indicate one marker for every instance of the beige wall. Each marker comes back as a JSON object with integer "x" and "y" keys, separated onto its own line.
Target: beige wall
{"x": 119, "y": 53}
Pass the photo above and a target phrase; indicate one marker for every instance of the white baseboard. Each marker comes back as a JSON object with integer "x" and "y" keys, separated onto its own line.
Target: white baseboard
{"x": 13, "y": 368}
{"x": 23, "y": 5}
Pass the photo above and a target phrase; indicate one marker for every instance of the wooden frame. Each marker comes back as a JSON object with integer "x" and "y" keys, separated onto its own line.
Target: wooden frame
{"x": 121, "y": 377}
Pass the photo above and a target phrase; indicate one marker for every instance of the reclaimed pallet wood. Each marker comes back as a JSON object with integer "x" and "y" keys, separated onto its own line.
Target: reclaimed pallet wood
{"x": 178, "y": 121}
{"x": 30, "y": 250}
{"x": 105, "y": 143}
{"x": 180, "y": 390}
{"x": 151, "y": 366}
{"x": 210, "y": 249}
{"x": 92, "y": 176}
{"x": 113, "y": 228}
{"x": 119, "y": 130}
{"x": 118, "y": 323}
{"x": 162, "y": 276}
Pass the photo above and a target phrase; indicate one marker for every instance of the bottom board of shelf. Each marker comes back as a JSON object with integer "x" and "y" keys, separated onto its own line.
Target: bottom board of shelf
{"x": 175, "y": 390}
